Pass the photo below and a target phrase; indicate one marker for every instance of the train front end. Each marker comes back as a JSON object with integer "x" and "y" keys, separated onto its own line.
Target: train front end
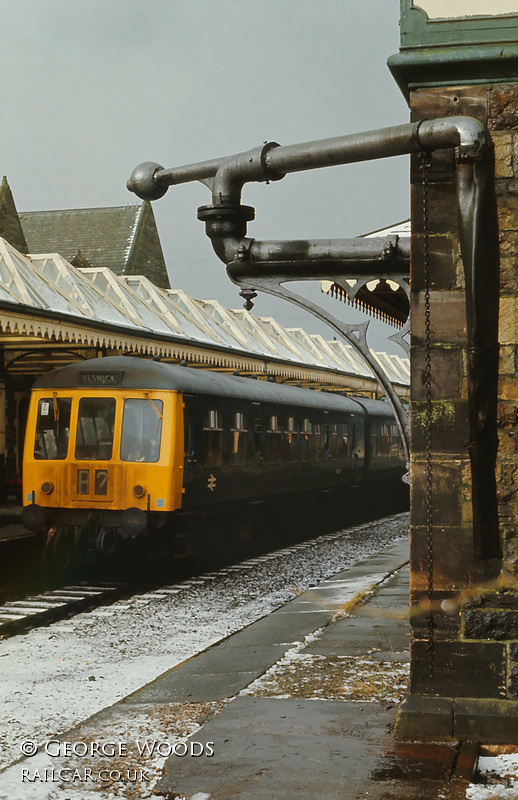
{"x": 101, "y": 458}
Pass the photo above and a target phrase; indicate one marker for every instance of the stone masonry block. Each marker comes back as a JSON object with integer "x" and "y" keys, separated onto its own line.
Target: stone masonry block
{"x": 507, "y": 442}
{"x": 503, "y": 143}
{"x": 508, "y": 387}
{"x": 503, "y": 107}
{"x": 443, "y": 262}
{"x": 455, "y": 565}
{"x": 446, "y": 101}
{"x": 512, "y": 684}
{"x": 446, "y": 365}
{"x": 494, "y": 624}
{"x": 448, "y": 318}
{"x": 449, "y": 428}
{"x": 485, "y": 720}
{"x": 508, "y": 361}
{"x": 421, "y": 717}
{"x": 446, "y": 614}
{"x": 507, "y": 211}
{"x": 442, "y": 207}
{"x": 508, "y": 273}
{"x": 507, "y": 414}
{"x": 452, "y": 677}
{"x": 446, "y": 494}
{"x": 508, "y": 327}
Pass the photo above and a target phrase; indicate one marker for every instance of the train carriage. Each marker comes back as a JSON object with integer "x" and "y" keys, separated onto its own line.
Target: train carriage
{"x": 128, "y": 446}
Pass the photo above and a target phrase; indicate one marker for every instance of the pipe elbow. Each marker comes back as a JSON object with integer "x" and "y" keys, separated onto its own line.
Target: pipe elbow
{"x": 228, "y": 248}
{"x": 243, "y": 168}
{"x": 466, "y": 133}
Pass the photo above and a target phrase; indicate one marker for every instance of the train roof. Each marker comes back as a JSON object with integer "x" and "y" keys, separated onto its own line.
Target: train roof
{"x": 126, "y": 372}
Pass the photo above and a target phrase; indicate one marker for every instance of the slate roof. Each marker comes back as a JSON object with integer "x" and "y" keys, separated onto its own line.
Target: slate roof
{"x": 103, "y": 235}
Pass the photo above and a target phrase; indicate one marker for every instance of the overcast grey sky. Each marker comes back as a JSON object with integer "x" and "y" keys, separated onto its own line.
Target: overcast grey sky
{"x": 91, "y": 88}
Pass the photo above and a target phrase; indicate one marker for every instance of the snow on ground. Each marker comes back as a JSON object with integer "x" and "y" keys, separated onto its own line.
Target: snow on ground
{"x": 498, "y": 778}
{"x": 54, "y": 677}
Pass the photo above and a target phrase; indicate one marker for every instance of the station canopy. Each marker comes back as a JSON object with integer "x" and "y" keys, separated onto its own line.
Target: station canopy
{"x": 44, "y": 299}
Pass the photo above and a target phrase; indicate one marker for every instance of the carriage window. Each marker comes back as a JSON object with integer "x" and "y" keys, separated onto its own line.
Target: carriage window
{"x": 258, "y": 427}
{"x": 305, "y": 440}
{"x": 332, "y": 446}
{"x": 344, "y": 441}
{"x": 52, "y": 428}
{"x": 396, "y": 443}
{"x": 290, "y": 439}
{"x": 212, "y": 438}
{"x": 317, "y": 441}
{"x": 384, "y": 440}
{"x": 273, "y": 440}
{"x": 141, "y": 430}
{"x": 374, "y": 440}
{"x": 94, "y": 432}
{"x": 239, "y": 435}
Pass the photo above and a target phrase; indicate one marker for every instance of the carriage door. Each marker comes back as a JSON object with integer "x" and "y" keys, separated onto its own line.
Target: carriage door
{"x": 189, "y": 443}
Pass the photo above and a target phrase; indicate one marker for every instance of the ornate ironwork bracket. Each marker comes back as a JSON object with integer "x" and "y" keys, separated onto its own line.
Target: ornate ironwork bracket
{"x": 392, "y": 263}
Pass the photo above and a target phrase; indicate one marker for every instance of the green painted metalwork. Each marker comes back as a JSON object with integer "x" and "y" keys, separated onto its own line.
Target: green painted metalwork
{"x": 417, "y": 30}
{"x": 462, "y": 51}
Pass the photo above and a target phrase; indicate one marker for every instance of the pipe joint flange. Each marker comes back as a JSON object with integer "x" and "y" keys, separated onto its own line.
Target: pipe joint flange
{"x": 225, "y": 220}
{"x": 143, "y": 183}
{"x": 269, "y": 173}
{"x": 226, "y": 211}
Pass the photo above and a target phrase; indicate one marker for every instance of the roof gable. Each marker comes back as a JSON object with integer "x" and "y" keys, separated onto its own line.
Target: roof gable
{"x": 10, "y": 227}
{"x": 122, "y": 238}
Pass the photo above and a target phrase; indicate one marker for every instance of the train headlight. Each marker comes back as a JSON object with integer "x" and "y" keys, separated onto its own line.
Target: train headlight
{"x": 139, "y": 491}
{"x": 134, "y": 521}
{"x": 47, "y": 487}
{"x": 33, "y": 517}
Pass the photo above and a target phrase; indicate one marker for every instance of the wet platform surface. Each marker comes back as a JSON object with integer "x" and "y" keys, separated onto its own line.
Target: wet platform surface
{"x": 318, "y": 723}
{"x": 290, "y": 749}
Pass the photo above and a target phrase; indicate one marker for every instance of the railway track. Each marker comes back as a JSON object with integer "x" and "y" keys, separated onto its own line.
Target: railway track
{"x": 40, "y": 609}
{"x": 17, "y": 616}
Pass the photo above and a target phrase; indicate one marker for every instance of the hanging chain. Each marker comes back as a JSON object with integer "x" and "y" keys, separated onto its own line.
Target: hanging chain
{"x": 430, "y": 621}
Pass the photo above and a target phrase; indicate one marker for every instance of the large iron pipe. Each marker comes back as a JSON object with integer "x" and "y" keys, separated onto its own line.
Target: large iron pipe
{"x": 150, "y": 181}
{"x": 310, "y": 256}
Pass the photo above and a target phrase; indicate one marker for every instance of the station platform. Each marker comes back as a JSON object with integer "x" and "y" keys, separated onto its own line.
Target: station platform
{"x": 314, "y": 689}
{"x": 299, "y": 704}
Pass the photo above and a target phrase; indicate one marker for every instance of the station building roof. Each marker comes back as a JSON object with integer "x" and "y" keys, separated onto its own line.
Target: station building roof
{"x": 46, "y": 300}
{"x": 123, "y": 238}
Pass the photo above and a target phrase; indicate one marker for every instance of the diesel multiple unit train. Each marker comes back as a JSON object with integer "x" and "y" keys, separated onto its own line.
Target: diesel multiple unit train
{"x": 120, "y": 448}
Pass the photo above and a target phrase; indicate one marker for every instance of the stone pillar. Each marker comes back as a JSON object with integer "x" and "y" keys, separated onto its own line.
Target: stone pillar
{"x": 461, "y": 66}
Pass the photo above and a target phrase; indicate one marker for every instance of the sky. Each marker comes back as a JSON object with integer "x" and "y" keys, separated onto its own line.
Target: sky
{"x": 91, "y": 88}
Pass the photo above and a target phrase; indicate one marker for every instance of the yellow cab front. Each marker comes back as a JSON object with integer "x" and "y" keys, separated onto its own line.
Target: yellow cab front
{"x": 101, "y": 451}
